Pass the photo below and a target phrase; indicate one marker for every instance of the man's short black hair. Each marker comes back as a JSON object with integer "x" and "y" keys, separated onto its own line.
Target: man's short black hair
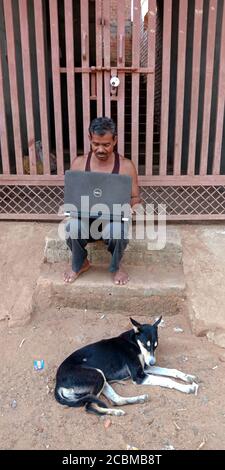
{"x": 102, "y": 125}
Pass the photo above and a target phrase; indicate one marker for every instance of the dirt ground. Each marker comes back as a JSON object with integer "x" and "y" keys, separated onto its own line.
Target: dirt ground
{"x": 30, "y": 418}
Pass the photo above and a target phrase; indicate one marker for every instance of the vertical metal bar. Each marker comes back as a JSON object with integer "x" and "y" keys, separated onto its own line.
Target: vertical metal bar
{"x": 85, "y": 75}
{"x": 211, "y": 36}
{"x": 11, "y": 54}
{"x": 93, "y": 85}
{"x": 53, "y": 8}
{"x": 135, "y": 82}
{"x": 99, "y": 45}
{"x": 167, "y": 26}
{"x": 195, "y": 84}
{"x": 121, "y": 75}
{"x": 27, "y": 85}
{"x": 107, "y": 61}
{"x": 182, "y": 37}
{"x": 42, "y": 89}
{"x": 220, "y": 103}
{"x": 152, "y": 9}
{"x": 3, "y": 126}
{"x": 70, "y": 74}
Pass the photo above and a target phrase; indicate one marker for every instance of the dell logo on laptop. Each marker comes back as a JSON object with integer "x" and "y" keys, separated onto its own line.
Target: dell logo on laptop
{"x": 97, "y": 192}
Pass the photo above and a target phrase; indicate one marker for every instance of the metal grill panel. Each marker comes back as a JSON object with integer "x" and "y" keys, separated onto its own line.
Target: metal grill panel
{"x": 33, "y": 200}
{"x": 182, "y": 202}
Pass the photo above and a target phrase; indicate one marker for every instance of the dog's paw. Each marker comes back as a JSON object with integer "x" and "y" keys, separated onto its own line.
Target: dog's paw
{"x": 119, "y": 413}
{"x": 143, "y": 398}
{"x": 194, "y": 388}
{"x": 190, "y": 378}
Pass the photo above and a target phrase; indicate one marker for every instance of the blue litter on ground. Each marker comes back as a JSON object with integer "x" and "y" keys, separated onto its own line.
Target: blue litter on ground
{"x": 39, "y": 365}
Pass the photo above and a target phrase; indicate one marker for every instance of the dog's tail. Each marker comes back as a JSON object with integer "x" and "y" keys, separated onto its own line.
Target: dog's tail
{"x": 91, "y": 402}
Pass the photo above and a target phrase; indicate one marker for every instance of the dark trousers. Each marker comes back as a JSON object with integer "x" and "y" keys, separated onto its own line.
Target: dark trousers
{"x": 78, "y": 235}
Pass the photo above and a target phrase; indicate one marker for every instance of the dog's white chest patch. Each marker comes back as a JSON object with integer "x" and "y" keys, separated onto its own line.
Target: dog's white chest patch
{"x": 144, "y": 354}
{"x": 142, "y": 360}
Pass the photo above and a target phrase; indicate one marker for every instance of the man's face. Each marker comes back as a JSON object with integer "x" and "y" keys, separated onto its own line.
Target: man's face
{"x": 102, "y": 145}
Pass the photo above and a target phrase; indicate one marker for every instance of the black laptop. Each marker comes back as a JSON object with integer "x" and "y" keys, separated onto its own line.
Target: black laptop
{"x": 93, "y": 195}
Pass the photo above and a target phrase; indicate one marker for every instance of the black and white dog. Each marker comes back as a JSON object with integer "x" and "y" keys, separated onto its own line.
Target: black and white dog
{"x": 86, "y": 373}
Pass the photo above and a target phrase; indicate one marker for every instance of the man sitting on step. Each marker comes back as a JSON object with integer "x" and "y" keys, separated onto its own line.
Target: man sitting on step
{"x": 103, "y": 158}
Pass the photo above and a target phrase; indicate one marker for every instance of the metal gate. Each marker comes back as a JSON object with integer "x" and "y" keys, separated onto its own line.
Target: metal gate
{"x": 57, "y": 64}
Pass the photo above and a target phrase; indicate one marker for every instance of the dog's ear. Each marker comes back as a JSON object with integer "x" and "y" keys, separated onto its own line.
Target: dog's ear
{"x": 136, "y": 325}
{"x": 157, "y": 322}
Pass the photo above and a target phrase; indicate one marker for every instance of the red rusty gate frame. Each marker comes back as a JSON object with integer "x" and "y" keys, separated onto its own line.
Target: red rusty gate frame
{"x": 190, "y": 196}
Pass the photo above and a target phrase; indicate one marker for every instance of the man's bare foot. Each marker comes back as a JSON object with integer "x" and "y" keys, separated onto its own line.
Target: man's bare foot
{"x": 121, "y": 278}
{"x": 71, "y": 276}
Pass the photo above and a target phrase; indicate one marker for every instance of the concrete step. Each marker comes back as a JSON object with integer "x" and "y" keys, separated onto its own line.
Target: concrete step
{"x": 151, "y": 290}
{"x": 139, "y": 252}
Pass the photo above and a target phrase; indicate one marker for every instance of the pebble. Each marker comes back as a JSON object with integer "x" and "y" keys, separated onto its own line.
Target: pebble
{"x": 184, "y": 358}
{"x": 150, "y": 422}
{"x": 201, "y": 445}
{"x": 204, "y": 400}
{"x": 107, "y": 423}
{"x": 21, "y": 344}
{"x": 195, "y": 430}
{"x": 168, "y": 447}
